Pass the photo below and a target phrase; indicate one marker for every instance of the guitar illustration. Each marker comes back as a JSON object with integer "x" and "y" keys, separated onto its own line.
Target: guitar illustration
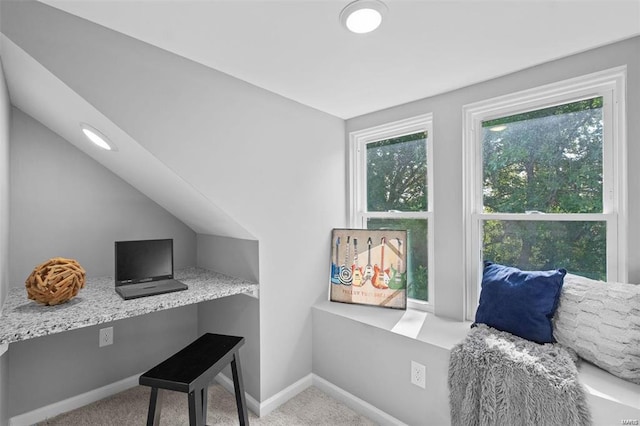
{"x": 381, "y": 275}
{"x": 335, "y": 269}
{"x": 368, "y": 270}
{"x": 356, "y": 271}
{"x": 398, "y": 279}
{"x": 345, "y": 271}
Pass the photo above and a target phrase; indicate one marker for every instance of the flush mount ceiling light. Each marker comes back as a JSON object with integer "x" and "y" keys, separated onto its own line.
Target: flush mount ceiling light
{"x": 96, "y": 137}
{"x": 363, "y": 16}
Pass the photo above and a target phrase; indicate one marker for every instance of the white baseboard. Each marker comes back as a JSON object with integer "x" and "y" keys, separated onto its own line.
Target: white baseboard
{"x": 74, "y": 402}
{"x": 260, "y": 409}
{"x": 252, "y": 404}
{"x": 285, "y": 394}
{"x": 264, "y": 408}
{"x": 356, "y": 404}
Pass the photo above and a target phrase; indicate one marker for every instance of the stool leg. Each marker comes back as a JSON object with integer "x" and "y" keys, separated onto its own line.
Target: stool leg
{"x": 155, "y": 407}
{"x": 238, "y": 386}
{"x": 204, "y": 404}
{"x": 195, "y": 408}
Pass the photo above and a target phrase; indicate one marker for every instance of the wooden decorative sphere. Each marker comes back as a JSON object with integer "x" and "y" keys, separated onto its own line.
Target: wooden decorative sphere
{"x": 55, "y": 281}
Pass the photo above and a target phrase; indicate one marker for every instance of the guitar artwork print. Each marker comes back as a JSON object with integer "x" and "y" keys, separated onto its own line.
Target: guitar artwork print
{"x": 356, "y": 271}
{"x": 398, "y": 279}
{"x": 345, "y": 271}
{"x": 382, "y": 281}
{"x": 380, "y": 275}
{"x": 368, "y": 270}
{"x": 335, "y": 269}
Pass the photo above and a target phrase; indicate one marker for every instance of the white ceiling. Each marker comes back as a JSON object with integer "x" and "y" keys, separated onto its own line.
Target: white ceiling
{"x": 295, "y": 48}
{"x": 298, "y": 49}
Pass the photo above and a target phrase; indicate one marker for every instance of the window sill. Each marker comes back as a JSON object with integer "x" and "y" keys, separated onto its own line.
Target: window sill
{"x": 412, "y": 323}
{"x": 601, "y": 384}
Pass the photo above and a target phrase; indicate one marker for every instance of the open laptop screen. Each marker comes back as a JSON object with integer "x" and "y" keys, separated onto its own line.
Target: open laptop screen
{"x": 143, "y": 261}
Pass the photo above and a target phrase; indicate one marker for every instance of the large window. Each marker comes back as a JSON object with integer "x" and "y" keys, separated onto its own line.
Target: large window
{"x": 390, "y": 181}
{"x": 545, "y": 188}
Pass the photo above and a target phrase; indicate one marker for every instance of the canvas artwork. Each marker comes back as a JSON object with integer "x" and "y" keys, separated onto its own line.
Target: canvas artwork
{"x": 369, "y": 267}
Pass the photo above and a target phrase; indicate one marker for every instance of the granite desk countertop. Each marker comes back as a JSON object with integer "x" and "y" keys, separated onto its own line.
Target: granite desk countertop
{"x": 98, "y": 303}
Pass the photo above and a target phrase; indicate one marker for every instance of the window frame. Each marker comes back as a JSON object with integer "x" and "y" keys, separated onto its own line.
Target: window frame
{"x": 611, "y": 85}
{"x": 357, "y": 190}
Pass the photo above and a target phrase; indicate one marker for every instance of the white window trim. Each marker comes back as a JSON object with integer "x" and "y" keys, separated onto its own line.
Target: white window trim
{"x": 611, "y": 84}
{"x": 357, "y": 190}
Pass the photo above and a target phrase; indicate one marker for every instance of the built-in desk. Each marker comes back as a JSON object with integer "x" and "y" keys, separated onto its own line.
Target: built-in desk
{"x": 98, "y": 303}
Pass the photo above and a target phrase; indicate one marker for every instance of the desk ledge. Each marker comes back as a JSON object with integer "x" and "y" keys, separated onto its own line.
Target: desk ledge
{"x": 98, "y": 303}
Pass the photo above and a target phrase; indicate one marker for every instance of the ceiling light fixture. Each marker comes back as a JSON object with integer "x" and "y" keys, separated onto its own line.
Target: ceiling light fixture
{"x": 498, "y": 128}
{"x": 96, "y": 137}
{"x": 363, "y": 16}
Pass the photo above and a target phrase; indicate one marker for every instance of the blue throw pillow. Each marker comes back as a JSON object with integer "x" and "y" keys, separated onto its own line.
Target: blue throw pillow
{"x": 520, "y": 302}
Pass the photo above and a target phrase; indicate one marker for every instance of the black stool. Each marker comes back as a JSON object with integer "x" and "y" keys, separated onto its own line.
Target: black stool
{"x": 191, "y": 370}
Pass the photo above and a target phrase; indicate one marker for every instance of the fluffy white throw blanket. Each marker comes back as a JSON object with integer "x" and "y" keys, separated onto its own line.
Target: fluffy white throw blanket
{"x": 496, "y": 378}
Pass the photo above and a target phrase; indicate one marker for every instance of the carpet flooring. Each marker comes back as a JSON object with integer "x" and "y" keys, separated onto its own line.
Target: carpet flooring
{"x": 128, "y": 408}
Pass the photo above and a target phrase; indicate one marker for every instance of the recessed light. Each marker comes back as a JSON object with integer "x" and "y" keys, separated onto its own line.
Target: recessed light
{"x": 96, "y": 137}
{"x": 363, "y": 16}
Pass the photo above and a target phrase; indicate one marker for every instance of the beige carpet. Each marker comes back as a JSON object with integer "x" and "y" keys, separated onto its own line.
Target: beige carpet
{"x": 128, "y": 408}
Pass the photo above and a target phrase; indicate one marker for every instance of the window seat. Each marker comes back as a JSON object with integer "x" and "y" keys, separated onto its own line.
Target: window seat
{"x": 418, "y": 325}
{"x": 611, "y": 399}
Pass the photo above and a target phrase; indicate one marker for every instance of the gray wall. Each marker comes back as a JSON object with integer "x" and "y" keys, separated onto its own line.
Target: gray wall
{"x": 230, "y": 256}
{"x": 276, "y": 166}
{"x": 63, "y": 203}
{"x": 447, "y": 147}
{"x": 5, "y": 125}
{"x": 52, "y": 368}
{"x": 5, "y": 118}
{"x": 237, "y": 315}
{"x": 381, "y": 378}
{"x": 374, "y": 365}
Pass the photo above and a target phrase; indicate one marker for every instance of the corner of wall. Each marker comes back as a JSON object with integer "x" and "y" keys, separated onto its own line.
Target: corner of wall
{"x": 5, "y": 111}
{"x": 229, "y": 256}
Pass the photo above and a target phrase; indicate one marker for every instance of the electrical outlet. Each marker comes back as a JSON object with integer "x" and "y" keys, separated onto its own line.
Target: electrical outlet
{"x": 418, "y": 374}
{"x": 106, "y": 337}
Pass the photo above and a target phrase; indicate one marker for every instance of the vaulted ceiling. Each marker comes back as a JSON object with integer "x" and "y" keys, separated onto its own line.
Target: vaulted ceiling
{"x": 293, "y": 48}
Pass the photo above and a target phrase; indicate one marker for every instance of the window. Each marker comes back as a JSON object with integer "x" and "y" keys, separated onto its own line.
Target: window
{"x": 390, "y": 181}
{"x": 545, "y": 187}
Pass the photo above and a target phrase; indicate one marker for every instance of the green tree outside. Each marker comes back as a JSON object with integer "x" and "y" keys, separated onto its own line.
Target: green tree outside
{"x": 546, "y": 161}
{"x": 397, "y": 181}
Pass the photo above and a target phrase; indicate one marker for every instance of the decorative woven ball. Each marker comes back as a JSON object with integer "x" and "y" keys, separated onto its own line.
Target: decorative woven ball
{"x": 55, "y": 281}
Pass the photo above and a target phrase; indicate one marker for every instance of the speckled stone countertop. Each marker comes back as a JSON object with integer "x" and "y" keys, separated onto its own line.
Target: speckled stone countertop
{"x": 98, "y": 303}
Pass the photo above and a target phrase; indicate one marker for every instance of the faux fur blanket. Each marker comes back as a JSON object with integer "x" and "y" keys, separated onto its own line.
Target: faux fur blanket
{"x": 496, "y": 378}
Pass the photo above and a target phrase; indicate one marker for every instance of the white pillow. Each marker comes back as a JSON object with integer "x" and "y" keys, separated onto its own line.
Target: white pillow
{"x": 601, "y": 322}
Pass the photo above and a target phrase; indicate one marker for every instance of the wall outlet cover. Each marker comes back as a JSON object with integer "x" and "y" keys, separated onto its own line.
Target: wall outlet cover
{"x": 106, "y": 337}
{"x": 418, "y": 374}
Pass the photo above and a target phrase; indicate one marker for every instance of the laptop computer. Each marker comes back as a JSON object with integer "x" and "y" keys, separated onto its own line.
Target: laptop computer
{"x": 145, "y": 268}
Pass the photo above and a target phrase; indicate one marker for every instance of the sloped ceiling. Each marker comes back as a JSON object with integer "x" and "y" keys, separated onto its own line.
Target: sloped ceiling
{"x": 39, "y": 93}
{"x": 294, "y": 48}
